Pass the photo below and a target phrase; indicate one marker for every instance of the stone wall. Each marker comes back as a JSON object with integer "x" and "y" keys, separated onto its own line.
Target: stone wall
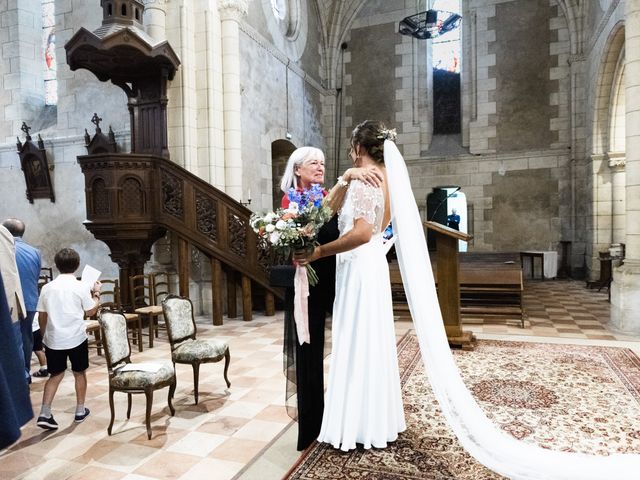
{"x": 51, "y": 226}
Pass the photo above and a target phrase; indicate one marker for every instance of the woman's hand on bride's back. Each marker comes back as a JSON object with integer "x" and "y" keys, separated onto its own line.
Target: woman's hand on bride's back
{"x": 369, "y": 175}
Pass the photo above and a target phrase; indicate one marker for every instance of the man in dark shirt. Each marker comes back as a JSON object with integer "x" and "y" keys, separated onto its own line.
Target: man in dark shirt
{"x": 453, "y": 220}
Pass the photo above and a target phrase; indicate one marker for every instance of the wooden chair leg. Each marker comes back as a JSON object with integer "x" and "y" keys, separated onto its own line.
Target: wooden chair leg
{"x": 172, "y": 390}
{"x": 149, "y": 394}
{"x": 113, "y": 412}
{"x": 227, "y": 358}
{"x": 196, "y": 373}
{"x": 98, "y": 342}
{"x": 128, "y": 406}
{"x": 150, "y": 319}
{"x": 139, "y": 328}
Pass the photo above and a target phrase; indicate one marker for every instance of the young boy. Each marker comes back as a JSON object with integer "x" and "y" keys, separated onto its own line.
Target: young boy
{"x": 62, "y": 307}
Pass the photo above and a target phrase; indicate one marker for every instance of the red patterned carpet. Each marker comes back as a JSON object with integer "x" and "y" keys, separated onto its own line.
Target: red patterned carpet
{"x": 563, "y": 397}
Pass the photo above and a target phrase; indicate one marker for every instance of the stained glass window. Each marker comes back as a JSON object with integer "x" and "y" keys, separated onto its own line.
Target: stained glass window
{"x": 49, "y": 52}
{"x": 446, "y": 48}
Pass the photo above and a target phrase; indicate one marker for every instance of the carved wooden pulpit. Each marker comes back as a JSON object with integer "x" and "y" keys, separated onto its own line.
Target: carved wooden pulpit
{"x": 447, "y": 275}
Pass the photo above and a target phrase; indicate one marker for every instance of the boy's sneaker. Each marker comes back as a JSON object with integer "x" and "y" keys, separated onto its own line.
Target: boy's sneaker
{"x": 47, "y": 423}
{"x": 79, "y": 418}
{"x": 43, "y": 372}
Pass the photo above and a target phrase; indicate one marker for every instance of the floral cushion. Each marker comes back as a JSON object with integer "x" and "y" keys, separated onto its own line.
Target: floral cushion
{"x": 139, "y": 379}
{"x": 198, "y": 350}
{"x": 115, "y": 337}
{"x": 179, "y": 317}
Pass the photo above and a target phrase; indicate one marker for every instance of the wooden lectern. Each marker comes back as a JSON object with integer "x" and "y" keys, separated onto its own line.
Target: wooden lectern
{"x": 447, "y": 275}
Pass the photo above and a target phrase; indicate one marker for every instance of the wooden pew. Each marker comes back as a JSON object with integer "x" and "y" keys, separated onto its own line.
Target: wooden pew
{"x": 486, "y": 288}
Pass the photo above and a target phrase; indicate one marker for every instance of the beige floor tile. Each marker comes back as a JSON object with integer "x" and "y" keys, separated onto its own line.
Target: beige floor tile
{"x": 126, "y": 458}
{"x": 96, "y": 473}
{"x": 238, "y": 450}
{"x": 223, "y": 425}
{"x": 168, "y": 465}
{"x": 199, "y": 444}
{"x": 242, "y": 409}
{"x": 224, "y": 470}
{"x": 259, "y": 430}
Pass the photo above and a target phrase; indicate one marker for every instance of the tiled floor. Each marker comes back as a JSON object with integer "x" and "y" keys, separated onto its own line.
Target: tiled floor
{"x": 232, "y": 431}
{"x": 555, "y": 308}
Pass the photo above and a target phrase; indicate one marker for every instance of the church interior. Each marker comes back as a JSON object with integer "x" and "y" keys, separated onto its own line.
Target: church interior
{"x": 145, "y": 133}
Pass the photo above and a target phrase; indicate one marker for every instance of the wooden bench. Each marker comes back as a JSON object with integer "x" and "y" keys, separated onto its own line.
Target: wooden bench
{"x": 486, "y": 288}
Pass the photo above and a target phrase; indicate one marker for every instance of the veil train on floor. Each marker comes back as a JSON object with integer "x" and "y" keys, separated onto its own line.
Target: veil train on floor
{"x": 490, "y": 446}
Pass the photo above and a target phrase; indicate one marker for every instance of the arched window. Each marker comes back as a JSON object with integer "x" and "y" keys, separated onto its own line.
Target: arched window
{"x": 49, "y": 52}
{"x": 446, "y": 73}
{"x": 123, "y": 9}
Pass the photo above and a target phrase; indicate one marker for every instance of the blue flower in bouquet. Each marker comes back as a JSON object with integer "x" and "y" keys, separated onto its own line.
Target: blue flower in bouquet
{"x": 312, "y": 196}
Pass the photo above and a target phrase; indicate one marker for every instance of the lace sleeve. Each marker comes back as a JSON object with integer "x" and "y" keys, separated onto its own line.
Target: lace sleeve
{"x": 365, "y": 201}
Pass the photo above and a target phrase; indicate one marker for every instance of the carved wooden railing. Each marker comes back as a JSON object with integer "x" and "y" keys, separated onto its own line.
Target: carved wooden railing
{"x": 133, "y": 199}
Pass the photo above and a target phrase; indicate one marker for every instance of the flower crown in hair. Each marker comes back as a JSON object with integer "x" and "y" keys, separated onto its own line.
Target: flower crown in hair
{"x": 387, "y": 134}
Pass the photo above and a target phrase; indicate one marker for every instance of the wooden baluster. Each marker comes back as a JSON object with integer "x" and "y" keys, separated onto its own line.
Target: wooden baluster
{"x": 183, "y": 266}
{"x": 232, "y": 310}
{"x": 216, "y": 291}
{"x": 269, "y": 304}
{"x": 247, "y": 307}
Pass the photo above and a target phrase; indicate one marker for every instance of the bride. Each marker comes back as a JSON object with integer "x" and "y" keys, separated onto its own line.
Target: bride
{"x": 363, "y": 403}
{"x": 356, "y": 309}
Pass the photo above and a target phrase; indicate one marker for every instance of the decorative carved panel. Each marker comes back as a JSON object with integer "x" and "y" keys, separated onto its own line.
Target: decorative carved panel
{"x": 131, "y": 197}
{"x": 237, "y": 235}
{"x": 100, "y": 197}
{"x": 172, "y": 195}
{"x": 206, "y": 216}
{"x": 34, "y": 163}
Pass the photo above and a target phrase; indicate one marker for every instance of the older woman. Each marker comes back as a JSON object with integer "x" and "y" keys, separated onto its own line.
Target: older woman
{"x": 303, "y": 364}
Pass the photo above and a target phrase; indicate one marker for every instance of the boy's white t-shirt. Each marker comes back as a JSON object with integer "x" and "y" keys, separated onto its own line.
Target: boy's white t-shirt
{"x": 65, "y": 300}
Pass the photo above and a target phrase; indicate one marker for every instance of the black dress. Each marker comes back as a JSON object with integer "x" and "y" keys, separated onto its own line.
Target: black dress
{"x": 303, "y": 364}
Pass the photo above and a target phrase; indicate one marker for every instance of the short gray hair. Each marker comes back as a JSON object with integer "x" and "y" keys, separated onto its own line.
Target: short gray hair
{"x": 297, "y": 158}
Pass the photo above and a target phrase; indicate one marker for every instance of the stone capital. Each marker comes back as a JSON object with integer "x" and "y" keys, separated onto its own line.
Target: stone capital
{"x": 617, "y": 161}
{"x": 150, "y": 4}
{"x": 233, "y": 9}
{"x": 576, "y": 58}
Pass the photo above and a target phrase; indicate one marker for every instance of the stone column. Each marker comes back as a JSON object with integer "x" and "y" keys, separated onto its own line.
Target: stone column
{"x": 625, "y": 290}
{"x": 617, "y": 163}
{"x": 155, "y": 17}
{"x": 231, "y": 12}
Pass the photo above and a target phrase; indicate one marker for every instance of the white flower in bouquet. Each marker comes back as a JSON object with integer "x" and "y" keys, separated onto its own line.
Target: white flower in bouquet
{"x": 281, "y": 225}
{"x": 274, "y": 238}
{"x": 270, "y": 227}
{"x": 293, "y": 208}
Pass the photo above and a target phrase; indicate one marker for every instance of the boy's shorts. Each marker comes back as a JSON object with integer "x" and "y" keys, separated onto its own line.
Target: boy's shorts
{"x": 57, "y": 359}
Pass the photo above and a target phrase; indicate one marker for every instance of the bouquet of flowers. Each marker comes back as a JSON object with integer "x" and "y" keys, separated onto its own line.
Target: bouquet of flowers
{"x": 294, "y": 228}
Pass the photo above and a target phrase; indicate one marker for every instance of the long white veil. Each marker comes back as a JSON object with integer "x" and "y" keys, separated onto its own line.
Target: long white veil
{"x": 478, "y": 435}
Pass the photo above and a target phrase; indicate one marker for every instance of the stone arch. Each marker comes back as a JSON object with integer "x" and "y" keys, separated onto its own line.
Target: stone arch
{"x": 281, "y": 150}
{"x": 616, "y": 127}
{"x": 267, "y": 160}
{"x": 604, "y": 88}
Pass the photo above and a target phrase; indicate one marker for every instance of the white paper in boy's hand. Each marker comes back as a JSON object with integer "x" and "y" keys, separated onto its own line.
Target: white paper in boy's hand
{"x": 90, "y": 275}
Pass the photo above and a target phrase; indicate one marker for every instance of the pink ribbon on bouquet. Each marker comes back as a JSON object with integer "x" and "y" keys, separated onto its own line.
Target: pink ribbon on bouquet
{"x": 300, "y": 304}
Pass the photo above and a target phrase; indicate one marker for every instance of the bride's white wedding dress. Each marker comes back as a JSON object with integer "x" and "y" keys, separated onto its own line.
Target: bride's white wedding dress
{"x": 481, "y": 438}
{"x": 363, "y": 403}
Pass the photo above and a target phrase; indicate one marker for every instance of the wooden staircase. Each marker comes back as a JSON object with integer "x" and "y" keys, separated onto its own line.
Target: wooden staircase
{"x": 134, "y": 199}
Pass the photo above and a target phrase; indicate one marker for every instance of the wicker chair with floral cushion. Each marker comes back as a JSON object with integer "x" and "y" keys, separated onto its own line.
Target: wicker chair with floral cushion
{"x": 185, "y": 348}
{"x": 118, "y": 352}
